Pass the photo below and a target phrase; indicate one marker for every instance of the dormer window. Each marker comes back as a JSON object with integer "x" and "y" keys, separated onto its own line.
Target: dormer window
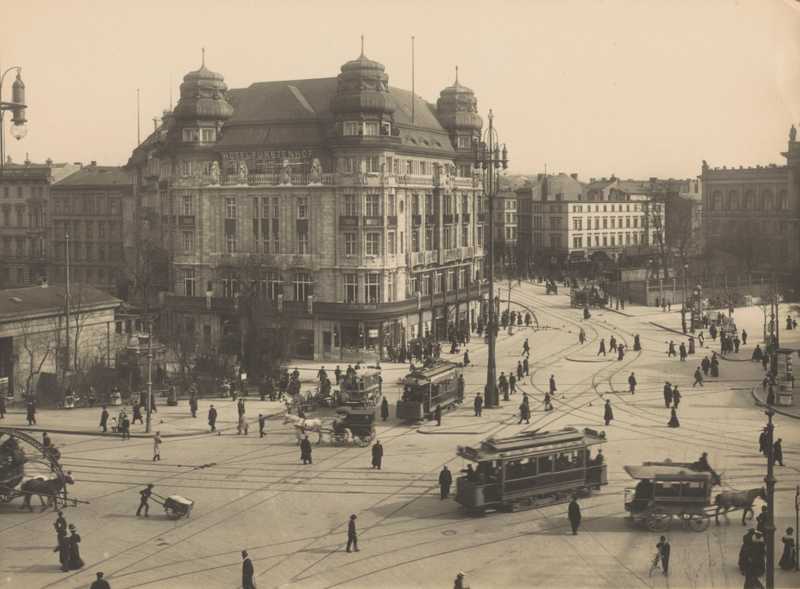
{"x": 371, "y": 129}
{"x": 464, "y": 142}
{"x": 386, "y": 128}
{"x": 209, "y": 135}
{"x": 351, "y": 128}
{"x": 191, "y": 135}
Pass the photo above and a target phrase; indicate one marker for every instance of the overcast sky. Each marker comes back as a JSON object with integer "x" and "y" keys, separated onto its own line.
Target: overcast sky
{"x": 636, "y": 88}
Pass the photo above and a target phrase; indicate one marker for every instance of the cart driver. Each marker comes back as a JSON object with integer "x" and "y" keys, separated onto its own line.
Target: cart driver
{"x": 702, "y": 465}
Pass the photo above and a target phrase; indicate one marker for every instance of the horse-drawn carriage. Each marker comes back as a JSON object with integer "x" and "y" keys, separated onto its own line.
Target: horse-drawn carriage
{"x": 25, "y": 474}
{"x": 353, "y": 426}
{"x": 678, "y": 490}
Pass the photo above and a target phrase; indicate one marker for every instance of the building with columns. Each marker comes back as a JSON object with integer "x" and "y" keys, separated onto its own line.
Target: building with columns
{"x": 752, "y": 213}
{"x": 338, "y": 218}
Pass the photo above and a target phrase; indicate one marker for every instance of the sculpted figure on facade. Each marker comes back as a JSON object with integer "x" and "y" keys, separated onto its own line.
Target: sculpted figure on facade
{"x": 242, "y": 173}
{"x": 286, "y": 172}
{"x": 315, "y": 175}
{"x": 793, "y": 134}
{"x": 214, "y": 172}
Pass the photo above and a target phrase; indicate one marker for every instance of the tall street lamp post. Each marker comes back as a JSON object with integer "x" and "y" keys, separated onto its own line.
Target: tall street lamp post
{"x": 17, "y": 107}
{"x": 769, "y": 527}
{"x": 490, "y": 158}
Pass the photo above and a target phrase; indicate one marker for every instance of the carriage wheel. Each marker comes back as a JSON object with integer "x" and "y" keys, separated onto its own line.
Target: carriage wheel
{"x": 658, "y": 520}
{"x": 698, "y": 522}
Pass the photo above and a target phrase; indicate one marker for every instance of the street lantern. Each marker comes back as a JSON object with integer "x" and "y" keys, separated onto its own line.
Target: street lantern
{"x": 17, "y": 107}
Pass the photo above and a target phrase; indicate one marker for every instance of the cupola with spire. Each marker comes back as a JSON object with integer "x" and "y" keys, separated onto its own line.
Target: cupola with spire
{"x": 457, "y": 111}
{"x": 363, "y": 90}
{"x": 203, "y": 96}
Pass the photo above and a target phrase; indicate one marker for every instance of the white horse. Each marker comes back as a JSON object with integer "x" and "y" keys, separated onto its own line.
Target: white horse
{"x": 303, "y": 426}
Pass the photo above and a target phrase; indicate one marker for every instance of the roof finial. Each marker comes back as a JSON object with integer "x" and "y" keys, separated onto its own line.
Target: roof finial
{"x": 456, "y": 75}
{"x": 362, "y": 45}
{"x": 203, "y": 59}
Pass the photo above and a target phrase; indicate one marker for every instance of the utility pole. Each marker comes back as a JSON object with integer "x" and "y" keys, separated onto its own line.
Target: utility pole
{"x": 769, "y": 527}
{"x": 149, "y": 373}
{"x": 66, "y": 303}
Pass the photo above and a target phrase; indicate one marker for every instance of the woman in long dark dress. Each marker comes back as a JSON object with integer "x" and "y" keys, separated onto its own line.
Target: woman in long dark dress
{"x": 787, "y": 558}
{"x": 63, "y": 550}
{"x": 74, "y": 549}
{"x": 608, "y": 413}
{"x": 673, "y": 419}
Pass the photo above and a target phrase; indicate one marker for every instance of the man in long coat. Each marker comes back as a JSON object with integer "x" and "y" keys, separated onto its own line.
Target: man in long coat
{"x": 377, "y": 454}
{"x": 608, "y": 413}
{"x": 305, "y": 450}
{"x": 574, "y": 515}
{"x": 667, "y": 394}
{"x": 212, "y": 418}
{"x": 445, "y": 480}
{"x": 247, "y": 572}
{"x": 384, "y": 409}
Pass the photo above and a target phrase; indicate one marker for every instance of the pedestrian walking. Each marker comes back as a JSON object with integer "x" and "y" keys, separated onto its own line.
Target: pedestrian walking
{"x": 466, "y": 358}
{"x": 787, "y": 561}
{"x": 524, "y": 411}
{"x": 512, "y": 383}
{"x": 526, "y": 348}
{"x": 437, "y": 415}
{"x": 777, "y": 452}
{"x": 60, "y": 524}
{"x": 552, "y": 383}
{"x": 100, "y": 582}
{"x": 525, "y": 367}
{"x": 608, "y": 413}
{"x": 248, "y": 572}
{"x": 305, "y": 450}
{"x": 144, "y": 497}
{"x": 602, "y": 349}
{"x": 612, "y": 344}
{"x": 137, "y": 414}
{"x": 582, "y": 337}
{"x": 705, "y": 364}
{"x": 2, "y": 406}
{"x": 673, "y": 419}
{"x": 620, "y": 352}
{"x": 352, "y": 534}
{"x": 519, "y": 369}
{"x": 62, "y": 547}
{"x": 104, "y": 419}
{"x": 377, "y": 455}
{"x": 574, "y": 515}
{"x": 478, "y": 404}
{"x": 671, "y": 349}
{"x": 445, "y": 480}
{"x": 459, "y": 582}
{"x": 548, "y": 403}
{"x": 682, "y": 349}
{"x": 676, "y": 396}
{"x": 744, "y": 337}
{"x": 242, "y": 427}
{"x": 157, "y": 447}
{"x": 212, "y": 418}
{"x": 262, "y": 425}
{"x": 762, "y": 441}
{"x": 193, "y": 405}
{"x": 30, "y": 411}
{"x": 698, "y": 377}
{"x": 74, "y": 551}
{"x": 632, "y": 383}
{"x": 667, "y": 395}
{"x": 663, "y": 552}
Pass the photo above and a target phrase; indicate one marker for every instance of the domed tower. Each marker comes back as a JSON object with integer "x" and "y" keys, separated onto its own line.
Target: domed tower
{"x": 457, "y": 110}
{"x": 202, "y": 108}
{"x": 362, "y": 104}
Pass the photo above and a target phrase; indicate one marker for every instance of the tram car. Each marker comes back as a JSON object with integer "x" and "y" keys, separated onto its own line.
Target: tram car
{"x": 530, "y": 469}
{"x": 362, "y": 390}
{"x": 426, "y": 387}
{"x": 589, "y": 296}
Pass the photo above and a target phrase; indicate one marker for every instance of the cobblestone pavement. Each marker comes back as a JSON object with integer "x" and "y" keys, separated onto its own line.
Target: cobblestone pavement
{"x": 253, "y": 493}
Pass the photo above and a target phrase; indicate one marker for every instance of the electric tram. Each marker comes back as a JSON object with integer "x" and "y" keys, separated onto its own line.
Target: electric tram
{"x": 426, "y": 388}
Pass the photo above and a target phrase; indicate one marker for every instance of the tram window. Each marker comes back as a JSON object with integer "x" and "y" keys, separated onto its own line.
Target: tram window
{"x": 578, "y": 458}
{"x": 545, "y": 464}
{"x": 664, "y": 489}
{"x": 693, "y": 489}
{"x": 563, "y": 461}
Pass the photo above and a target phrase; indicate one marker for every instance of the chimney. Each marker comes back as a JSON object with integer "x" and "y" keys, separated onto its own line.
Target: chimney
{"x": 574, "y": 175}
{"x": 94, "y": 163}
{"x": 49, "y": 161}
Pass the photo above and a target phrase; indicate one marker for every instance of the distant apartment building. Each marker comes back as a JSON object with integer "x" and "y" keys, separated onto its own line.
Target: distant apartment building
{"x": 24, "y": 197}
{"x": 505, "y": 228}
{"x": 88, "y": 207}
{"x": 562, "y": 218}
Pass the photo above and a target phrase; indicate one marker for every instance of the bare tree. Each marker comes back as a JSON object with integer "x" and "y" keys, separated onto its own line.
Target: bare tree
{"x": 38, "y": 349}
{"x": 663, "y": 251}
{"x": 149, "y": 272}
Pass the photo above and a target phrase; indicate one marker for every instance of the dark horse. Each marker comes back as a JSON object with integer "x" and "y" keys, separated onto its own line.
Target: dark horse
{"x": 731, "y": 500}
{"x": 44, "y": 487}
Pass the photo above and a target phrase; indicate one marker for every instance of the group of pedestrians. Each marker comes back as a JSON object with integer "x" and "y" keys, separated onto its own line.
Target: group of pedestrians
{"x": 68, "y": 547}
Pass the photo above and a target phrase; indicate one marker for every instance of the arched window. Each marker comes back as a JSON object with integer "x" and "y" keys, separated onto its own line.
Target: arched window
{"x": 716, "y": 200}
{"x": 767, "y": 201}
{"x": 783, "y": 201}
{"x": 733, "y": 200}
{"x": 749, "y": 197}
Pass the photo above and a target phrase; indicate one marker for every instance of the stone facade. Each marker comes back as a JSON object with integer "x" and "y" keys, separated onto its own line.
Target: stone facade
{"x": 339, "y": 216}
{"x": 752, "y": 213}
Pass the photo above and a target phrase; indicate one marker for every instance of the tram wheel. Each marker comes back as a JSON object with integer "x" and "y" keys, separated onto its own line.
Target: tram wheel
{"x": 698, "y": 522}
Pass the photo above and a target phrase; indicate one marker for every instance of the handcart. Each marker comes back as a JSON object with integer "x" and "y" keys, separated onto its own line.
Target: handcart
{"x": 175, "y": 506}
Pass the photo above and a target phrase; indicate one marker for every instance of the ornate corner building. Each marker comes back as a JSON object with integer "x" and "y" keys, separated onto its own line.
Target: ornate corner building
{"x": 753, "y": 213}
{"x": 338, "y": 217}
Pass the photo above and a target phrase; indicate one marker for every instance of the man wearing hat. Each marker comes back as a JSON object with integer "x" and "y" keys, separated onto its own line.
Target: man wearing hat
{"x": 459, "y": 583}
{"x": 247, "y": 572}
{"x": 100, "y": 583}
{"x": 352, "y": 536}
